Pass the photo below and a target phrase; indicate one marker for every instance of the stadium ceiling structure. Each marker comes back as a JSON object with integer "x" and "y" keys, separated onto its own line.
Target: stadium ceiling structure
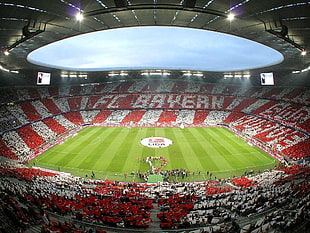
{"x": 28, "y": 25}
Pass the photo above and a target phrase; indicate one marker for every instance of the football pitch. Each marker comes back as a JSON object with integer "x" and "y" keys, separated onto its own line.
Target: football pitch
{"x": 116, "y": 153}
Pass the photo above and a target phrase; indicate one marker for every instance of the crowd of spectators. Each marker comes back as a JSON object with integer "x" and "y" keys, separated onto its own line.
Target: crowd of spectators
{"x": 216, "y": 117}
{"x": 34, "y": 117}
{"x": 7, "y": 121}
{"x": 302, "y": 95}
{"x": 276, "y": 200}
{"x": 32, "y": 104}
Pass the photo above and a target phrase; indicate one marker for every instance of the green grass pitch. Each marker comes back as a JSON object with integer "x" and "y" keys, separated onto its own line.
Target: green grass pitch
{"x": 110, "y": 152}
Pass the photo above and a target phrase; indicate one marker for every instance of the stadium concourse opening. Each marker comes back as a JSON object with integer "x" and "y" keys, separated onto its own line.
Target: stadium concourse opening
{"x": 155, "y": 47}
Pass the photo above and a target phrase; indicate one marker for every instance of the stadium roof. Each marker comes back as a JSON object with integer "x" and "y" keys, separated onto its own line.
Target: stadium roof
{"x": 28, "y": 25}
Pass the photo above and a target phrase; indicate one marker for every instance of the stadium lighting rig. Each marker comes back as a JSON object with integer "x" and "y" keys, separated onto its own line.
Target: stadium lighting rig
{"x": 301, "y": 71}
{"x": 304, "y": 53}
{"x": 155, "y": 73}
{"x": 121, "y": 73}
{"x": 29, "y": 31}
{"x": 79, "y": 16}
{"x": 122, "y": 5}
{"x": 193, "y": 73}
{"x": 233, "y": 75}
{"x": 8, "y": 70}
{"x": 282, "y": 33}
{"x": 69, "y": 75}
{"x": 230, "y": 17}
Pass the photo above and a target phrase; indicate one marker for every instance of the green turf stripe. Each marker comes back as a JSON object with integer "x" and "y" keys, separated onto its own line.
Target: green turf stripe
{"x": 92, "y": 150}
{"x": 199, "y": 148}
{"x": 109, "y": 155}
{"x": 234, "y": 157}
{"x": 129, "y": 149}
{"x": 149, "y": 132}
{"x": 63, "y": 159}
{"x": 241, "y": 151}
{"x": 145, "y": 151}
{"x": 121, "y": 147}
{"x": 97, "y": 150}
{"x": 134, "y": 151}
{"x": 177, "y": 152}
{"x": 215, "y": 160}
{"x": 74, "y": 147}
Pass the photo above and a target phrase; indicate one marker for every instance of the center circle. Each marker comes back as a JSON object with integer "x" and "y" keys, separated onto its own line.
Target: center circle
{"x": 156, "y": 142}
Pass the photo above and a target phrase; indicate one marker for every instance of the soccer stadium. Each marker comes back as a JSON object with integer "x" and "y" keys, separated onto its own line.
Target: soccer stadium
{"x": 154, "y": 116}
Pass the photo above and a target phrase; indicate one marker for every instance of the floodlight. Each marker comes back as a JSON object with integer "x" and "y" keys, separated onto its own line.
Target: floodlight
{"x": 230, "y": 17}
{"x": 79, "y": 16}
